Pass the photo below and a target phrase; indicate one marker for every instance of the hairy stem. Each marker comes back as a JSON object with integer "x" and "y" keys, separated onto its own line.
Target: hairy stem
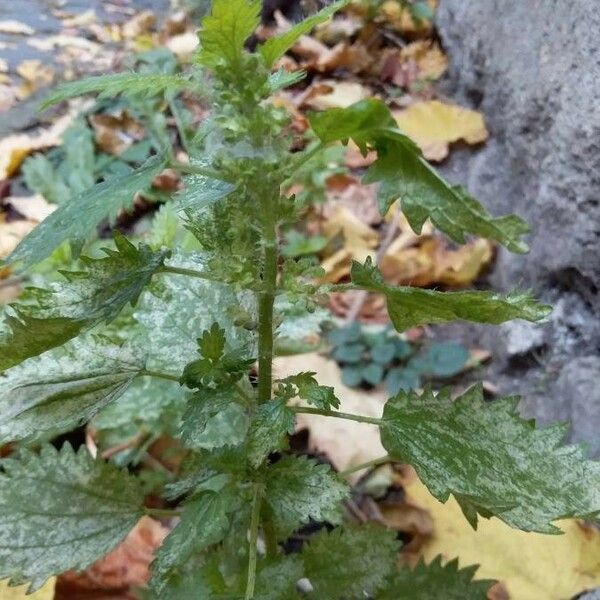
{"x": 252, "y": 555}
{"x": 334, "y": 413}
{"x": 266, "y": 299}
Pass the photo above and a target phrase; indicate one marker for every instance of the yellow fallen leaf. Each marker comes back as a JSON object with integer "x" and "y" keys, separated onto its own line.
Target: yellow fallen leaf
{"x": 19, "y": 593}
{"x": 339, "y": 94}
{"x": 36, "y": 75}
{"x": 138, "y": 24}
{"x": 434, "y": 125}
{"x": 345, "y": 443}
{"x": 356, "y": 233}
{"x": 531, "y": 566}
{"x": 184, "y": 44}
{"x": 431, "y": 61}
{"x": 400, "y": 18}
{"x": 15, "y": 148}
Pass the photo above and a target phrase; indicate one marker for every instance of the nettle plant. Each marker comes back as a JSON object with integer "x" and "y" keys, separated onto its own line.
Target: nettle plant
{"x": 203, "y": 318}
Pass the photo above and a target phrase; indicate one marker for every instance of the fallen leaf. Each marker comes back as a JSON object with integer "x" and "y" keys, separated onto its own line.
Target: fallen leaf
{"x": 15, "y": 148}
{"x": 339, "y": 94}
{"x": 80, "y": 20}
{"x": 36, "y": 75}
{"x": 431, "y": 62}
{"x": 395, "y": 13}
{"x": 20, "y": 593}
{"x": 8, "y": 97}
{"x": 12, "y": 233}
{"x": 434, "y": 126}
{"x": 360, "y": 200}
{"x": 3, "y": 66}
{"x": 125, "y": 568}
{"x": 116, "y": 133}
{"x": 63, "y": 41}
{"x": 530, "y": 565}
{"x": 353, "y": 57}
{"x": 345, "y": 443}
{"x": 373, "y": 311}
{"x": 184, "y": 44}
{"x": 34, "y": 208}
{"x": 138, "y": 24}
{"x": 338, "y": 29}
{"x": 16, "y": 28}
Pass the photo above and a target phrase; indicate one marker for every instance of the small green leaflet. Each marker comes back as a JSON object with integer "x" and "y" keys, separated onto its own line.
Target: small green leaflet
{"x": 309, "y": 389}
{"x": 299, "y": 489}
{"x": 101, "y": 202}
{"x": 204, "y": 522}
{"x": 274, "y": 48}
{"x": 494, "y": 462}
{"x": 108, "y": 86}
{"x": 404, "y": 174}
{"x": 282, "y": 79}
{"x": 225, "y": 31}
{"x": 350, "y": 562}
{"x": 46, "y": 318}
{"x": 436, "y": 582}
{"x": 277, "y": 579}
{"x": 272, "y": 421}
{"x": 200, "y": 192}
{"x": 410, "y": 306}
{"x": 62, "y": 510}
{"x": 63, "y": 388}
{"x": 213, "y": 420}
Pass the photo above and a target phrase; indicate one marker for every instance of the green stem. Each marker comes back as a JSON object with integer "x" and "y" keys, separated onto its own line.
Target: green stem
{"x": 333, "y": 413}
{"x": 252, "y": 556}
{"x": 366, "y": 465}
{"x": 196, "y": 170}
{"x": 266, "y": 299}
{"x": 308, "y": 155}
{"x": 160, "y": 375}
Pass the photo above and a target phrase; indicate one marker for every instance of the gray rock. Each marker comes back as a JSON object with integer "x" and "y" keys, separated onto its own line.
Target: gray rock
{"x": 533, "y": 68}
{"x": 522, "y": 337}
{"x": 593, "y": 595}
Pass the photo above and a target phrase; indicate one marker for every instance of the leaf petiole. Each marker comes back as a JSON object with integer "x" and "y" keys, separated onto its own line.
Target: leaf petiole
{"x": 337, "y": 414}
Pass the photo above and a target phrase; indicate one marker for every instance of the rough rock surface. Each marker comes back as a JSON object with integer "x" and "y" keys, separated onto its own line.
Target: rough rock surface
{"x": 533, "y": 68}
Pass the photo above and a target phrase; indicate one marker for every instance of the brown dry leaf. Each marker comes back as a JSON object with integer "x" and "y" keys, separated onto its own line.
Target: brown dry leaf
{"x": 116, "y": 133}
{"x": 338, "y": 94}
{"x": 530, "y": 565}
{"x": 345, "y": 443}
{"x": 434, "y": 126}
{"x": 138, "y": 25}
{"x": 339, "y": 29}
{"x": 360, "y": 199}
{"x": 126, "y": 567}
{"x": 36, "y": 75}
{"x": 20, "y": 593}
{"x": 373, "y": 310}
{"x": 15, "y": 27}
{"x": 431, "y": 62}
{"x": 15, "y": 148}
{"x": 34, "y": 208}
{"x": 355, "y": 58}
{"x": 424, "y": 261}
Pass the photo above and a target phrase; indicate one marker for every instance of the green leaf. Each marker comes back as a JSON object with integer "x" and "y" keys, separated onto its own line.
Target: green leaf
{"x": 445, "y": 359}
{"x": 349, "y": 353}
{"x": 270, "y": 424}
{"x": 277, "y": 579}
{"x": 298, "y": 244}
{"x": 299, "y": 489}
{"x": 175, "y": 310}
{"x": 204, "y": 522}
{"x": 46, "y": 318}
{"x": 352, "y": 376}
{"x": 283, "y": 78}
{"x": 409, "y": 306}
{"x": 321, "y": 396}
{"x": 436, "y": 582}
{"x": 492, "y": 461}
{"x": 383, "y": 353}
{"x": 213, "y": 420}
{"x": 350, "y": 562}
{"x": 345, "y": 335}
{"x": 145, "y": 85}
{"x": 402, "y": 378}
{"x": 63, "y": 388}
{"x": 62, "y": 510}
{"x": 212, "y": 342}
{"x": 200, "y": 192}
{"x": 404, "y": 174}
{"x": 275, "y": 47}
{"x": 225, "y": 31}
{"x": 77, "y": 218}
{"x": 372, "y": 373}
